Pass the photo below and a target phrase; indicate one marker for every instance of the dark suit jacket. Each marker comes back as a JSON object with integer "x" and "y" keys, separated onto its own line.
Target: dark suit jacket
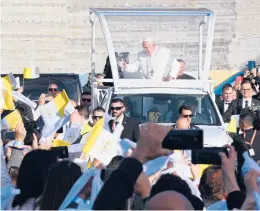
{"x": 185, "y": 77}
{"x": 235, "y": 108}
{"x": 256, "y": 143}
{"x": 220, "y": 105}
{"x": 131, "y": 129}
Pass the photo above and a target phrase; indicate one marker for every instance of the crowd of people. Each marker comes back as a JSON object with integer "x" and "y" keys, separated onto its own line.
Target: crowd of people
{"x": 242, "y": 99}
{"x": 36, "y": 174}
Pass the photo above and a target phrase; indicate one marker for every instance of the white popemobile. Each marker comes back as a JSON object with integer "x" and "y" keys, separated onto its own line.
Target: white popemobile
{"x": 157, "y": 100}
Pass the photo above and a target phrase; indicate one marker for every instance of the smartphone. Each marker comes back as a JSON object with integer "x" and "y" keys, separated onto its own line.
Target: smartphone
{"x": 183, "y": 139}
{"x": 10, "y": 135}
{"x": 208, "y": 155}
{"x": 60, "y": 152}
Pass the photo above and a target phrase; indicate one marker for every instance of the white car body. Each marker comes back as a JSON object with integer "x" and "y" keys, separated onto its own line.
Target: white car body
{"x": 214, "y": 135}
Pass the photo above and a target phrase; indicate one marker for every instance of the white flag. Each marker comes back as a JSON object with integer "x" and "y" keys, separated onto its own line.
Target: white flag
{"x": 105, "y": 148}
{"x": 26, "y": 100}
{"x": 71, "y": 134}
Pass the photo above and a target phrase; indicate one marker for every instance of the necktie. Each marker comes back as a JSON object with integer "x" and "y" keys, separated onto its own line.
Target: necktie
{"x": 246, "y": 104}
{"x": 114, "y": 126}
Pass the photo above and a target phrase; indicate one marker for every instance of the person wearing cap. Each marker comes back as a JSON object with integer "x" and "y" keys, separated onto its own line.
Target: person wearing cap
{"x": 153, "y": 62}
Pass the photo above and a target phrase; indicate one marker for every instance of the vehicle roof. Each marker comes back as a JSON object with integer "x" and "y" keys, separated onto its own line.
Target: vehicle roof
{"x": 159, "y": 91}
{"x": 231, "y": 79}
{"x": 50, "y": 74}
{"x": 152, "y": 11}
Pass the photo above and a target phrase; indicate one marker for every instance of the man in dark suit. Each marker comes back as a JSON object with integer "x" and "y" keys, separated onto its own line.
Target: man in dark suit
{"x": 131, "y": 126}
{"x": 241, "y": 105}
{"x": 227, "y": 95}
{"x": 250, "y": 135}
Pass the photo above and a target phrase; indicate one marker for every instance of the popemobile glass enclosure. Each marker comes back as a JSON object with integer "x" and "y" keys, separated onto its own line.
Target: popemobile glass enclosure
{"x": 187, "y": 34}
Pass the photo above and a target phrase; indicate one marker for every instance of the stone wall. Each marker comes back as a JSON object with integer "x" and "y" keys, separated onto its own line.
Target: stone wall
{"x": 55, "y": 35}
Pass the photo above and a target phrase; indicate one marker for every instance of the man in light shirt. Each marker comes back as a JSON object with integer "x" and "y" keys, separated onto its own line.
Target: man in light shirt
{"x": 239, "y": 106}
{"x": 153, "y": 62}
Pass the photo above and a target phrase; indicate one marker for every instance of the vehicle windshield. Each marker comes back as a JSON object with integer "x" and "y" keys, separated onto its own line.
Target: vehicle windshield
{"x": 33, "y": 88}
{"x": 163, "y": 108}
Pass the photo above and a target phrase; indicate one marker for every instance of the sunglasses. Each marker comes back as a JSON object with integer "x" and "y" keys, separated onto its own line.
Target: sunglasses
{"x": 97, "y": 117}
{"x": 116, "y": 108}
{"x": 186, "y": 116}
{"x": 53, "y": 89}
{"x": 84, "y": 100}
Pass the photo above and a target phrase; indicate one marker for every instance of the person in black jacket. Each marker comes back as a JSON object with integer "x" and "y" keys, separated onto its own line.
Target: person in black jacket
{"x": 227, "y": 95}
{"x": 181, "y": 74}
{"x": 131, "y": 126}
{"x": 241, "y": 105}
{"x": 250, "y": 135}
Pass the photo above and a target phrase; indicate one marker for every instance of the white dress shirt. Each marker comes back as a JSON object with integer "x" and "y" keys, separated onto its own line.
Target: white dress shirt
{"x": 244, "y": 103}
{"x": 226, "y": 105}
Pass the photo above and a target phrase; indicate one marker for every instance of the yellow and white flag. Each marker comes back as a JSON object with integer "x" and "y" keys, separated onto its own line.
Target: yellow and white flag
{"x": 96, "y": 131}
{"x": 56, "y": 113}
{"x": 9, "y": 81}
{"x": 101, "y": 144}
{"x": 31, "y": 73}
{"x": 8, "y": 100}
{"x": 232, "y": 126}
{"x": 60, "y": 143}
{"x": 11, "y": 120}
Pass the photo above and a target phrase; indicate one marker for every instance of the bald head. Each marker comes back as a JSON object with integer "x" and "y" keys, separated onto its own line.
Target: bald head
{"x": 182, "y": 124}
{"x": 168, "y": 200}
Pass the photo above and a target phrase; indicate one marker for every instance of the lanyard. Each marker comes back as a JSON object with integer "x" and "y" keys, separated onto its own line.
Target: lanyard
{"x": 252, "y": 139}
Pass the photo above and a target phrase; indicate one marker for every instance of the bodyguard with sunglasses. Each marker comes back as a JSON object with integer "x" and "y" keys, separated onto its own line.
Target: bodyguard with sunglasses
{"x": 85, "y": 99}
{"x": 131, "y": 126}
{"x": 185, "y": 112}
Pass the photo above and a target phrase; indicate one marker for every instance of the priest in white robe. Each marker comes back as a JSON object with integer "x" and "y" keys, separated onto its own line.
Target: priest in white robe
{"x": 153, "y": 62}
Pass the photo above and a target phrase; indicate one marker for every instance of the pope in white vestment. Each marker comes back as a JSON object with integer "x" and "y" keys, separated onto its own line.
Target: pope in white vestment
{"x": 154, "y": 62}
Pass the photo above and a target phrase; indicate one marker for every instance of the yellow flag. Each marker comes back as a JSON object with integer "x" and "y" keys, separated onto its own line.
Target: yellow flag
{"x": 30, "y": 73}
{"x": 59, "y": 143}
{"x": 85, "y": 129}
{"x": 8, "y": 100}
{"x": 98, "y": 127}
{"x": 61, "y": 100}
{"x": 232, "y": 126}
{"x": 11, "y": 120}
{"x": 9, "y": 81}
